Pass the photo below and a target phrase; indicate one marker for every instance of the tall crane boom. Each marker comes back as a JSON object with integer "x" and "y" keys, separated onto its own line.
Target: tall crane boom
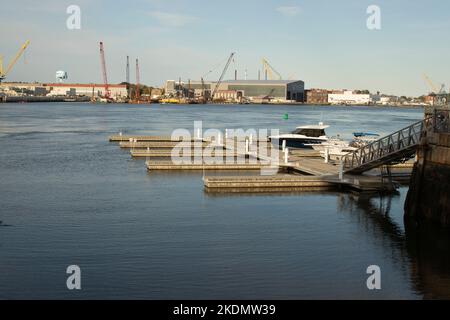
{"x": 105, "y": 76}
{"x": 430, "y": 83}
{"x": 3, "y": 74}
{"x": 138, "y": 80}
{"x": 222, "y": 75}
{"x": 436, "y": 89}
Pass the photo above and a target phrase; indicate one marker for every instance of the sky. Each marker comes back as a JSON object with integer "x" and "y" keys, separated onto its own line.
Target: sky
{"x": 325, "y": 43}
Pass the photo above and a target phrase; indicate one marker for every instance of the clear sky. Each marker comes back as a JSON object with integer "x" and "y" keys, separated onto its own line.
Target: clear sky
{"x": 326, "y": 43}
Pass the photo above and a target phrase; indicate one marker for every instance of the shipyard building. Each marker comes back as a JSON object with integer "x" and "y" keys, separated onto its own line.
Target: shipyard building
{"x": 253, "y": 90}
{"x": 66, "y": 89}
{"x": 63, "y": 89}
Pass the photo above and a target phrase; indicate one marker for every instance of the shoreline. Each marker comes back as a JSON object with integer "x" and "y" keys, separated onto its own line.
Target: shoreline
{"x": 84, "y": 100}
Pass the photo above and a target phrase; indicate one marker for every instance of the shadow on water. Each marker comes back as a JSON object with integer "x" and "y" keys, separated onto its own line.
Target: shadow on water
{"x": 425, "y": 249}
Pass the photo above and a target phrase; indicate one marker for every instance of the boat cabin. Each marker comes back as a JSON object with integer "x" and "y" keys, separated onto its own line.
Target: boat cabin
{"x": 311, "y": 131}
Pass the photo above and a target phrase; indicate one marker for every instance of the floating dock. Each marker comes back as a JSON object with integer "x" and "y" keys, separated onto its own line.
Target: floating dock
{"x": 303, "y": 170}
{"x": 169, "y": 165}
{"x": 160, "y": 144}
{"x": 119, "y": 138}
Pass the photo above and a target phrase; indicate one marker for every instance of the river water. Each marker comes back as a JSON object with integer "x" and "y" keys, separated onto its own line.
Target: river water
{"x": 70, "y": 197}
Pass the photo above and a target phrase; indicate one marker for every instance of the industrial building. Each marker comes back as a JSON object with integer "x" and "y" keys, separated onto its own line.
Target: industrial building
{"x": 349, "y": 98}
{"x": 281, "y": 90}
{"x": 62, "y": 89}
{"x": 253, "y": 90}
{"x": 23, "y": 88}
{"x": 317, "y": 96}
{"x": 66, "y": 89}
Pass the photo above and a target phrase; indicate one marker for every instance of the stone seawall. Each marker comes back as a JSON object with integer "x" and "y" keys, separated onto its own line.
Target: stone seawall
{"x": 429, "y": 193}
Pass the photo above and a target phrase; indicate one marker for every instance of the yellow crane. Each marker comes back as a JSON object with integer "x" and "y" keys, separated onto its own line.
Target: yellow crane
{"x": 269, "y": 71}
{"x": 4, "y": 73}
{"x": 436, "y": 89}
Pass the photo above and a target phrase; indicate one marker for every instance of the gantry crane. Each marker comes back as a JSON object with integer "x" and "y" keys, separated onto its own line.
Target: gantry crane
{"x": 269, "y": 71}
{"x": 4, "y": 73}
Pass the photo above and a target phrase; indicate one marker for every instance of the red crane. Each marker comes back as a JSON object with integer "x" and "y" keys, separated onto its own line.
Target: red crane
{"x": 138, "y": 90}
{"x": 105, "y": 77}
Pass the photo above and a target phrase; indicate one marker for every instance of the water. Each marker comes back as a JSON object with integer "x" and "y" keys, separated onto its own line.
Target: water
{"x": 68, "y": 196}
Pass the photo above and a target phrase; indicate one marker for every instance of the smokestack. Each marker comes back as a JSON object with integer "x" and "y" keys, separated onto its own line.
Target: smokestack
{"x": 235, "y": 74}
{"x": 245, "y": 74}
{"x": 127, "y": 75}
{"x": 259, "y": 74}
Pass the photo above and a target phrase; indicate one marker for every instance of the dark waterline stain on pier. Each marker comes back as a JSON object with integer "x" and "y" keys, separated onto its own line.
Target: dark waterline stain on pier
{"x": 72, "y": 197}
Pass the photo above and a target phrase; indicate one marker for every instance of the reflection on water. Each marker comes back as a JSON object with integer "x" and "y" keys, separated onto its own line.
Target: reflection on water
{"x": 426, "y": 248}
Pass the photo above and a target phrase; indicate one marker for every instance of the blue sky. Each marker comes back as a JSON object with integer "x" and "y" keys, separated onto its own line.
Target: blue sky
{"x": 324, "y": 43}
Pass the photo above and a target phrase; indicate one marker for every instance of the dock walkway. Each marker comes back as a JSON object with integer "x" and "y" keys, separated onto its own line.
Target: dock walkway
{"x": 303, "y": 170}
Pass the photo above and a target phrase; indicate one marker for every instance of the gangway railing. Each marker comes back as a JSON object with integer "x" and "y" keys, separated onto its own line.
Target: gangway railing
{"x": 394, "y": 148}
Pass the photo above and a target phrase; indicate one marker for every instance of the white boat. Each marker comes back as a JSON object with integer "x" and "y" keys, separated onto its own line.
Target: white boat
{"x": 302, "y": 137}
{"x": 337, "y": 153}
{"x": 362, "y": 139}
{"x": 331, "y": 142}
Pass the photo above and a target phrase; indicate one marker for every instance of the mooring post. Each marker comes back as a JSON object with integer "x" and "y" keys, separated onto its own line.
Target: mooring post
{"x": 286, "y": 155}
{"x": 219, "y": 138}
{"x": 326, "y": 154}
{"x": 247, "y": 149}
{"x": 341, "y": 170}
{"x": 284, "y": 145}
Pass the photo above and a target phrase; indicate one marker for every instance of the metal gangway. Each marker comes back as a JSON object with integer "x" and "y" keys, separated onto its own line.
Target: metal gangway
{"x": 397, "y": 147}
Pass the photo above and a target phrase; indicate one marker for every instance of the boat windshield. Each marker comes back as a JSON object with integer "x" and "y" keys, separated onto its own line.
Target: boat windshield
{"x": 310, "y": 132}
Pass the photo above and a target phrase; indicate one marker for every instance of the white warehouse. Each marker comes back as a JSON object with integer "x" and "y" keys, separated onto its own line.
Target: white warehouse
{"x": 348, "y": 97}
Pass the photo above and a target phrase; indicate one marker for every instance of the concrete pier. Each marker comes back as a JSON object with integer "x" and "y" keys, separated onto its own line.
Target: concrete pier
{"x": 429, "y": 194}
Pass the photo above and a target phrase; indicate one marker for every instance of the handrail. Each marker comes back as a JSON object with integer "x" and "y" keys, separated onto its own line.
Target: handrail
{"x": 389, "y": 147}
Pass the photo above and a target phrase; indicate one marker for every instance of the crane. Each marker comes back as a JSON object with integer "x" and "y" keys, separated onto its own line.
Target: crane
{"x": 203, "y": 99}
{"x": 3, "y": 74}
{"x": 222, "y": 75}
{"x": 127, "y": 76}
{"x": 105, "y": 77}
{"x": 138, "y": 80}
{"x": 435, "y": 88}
{"x": 270, "y": 71}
